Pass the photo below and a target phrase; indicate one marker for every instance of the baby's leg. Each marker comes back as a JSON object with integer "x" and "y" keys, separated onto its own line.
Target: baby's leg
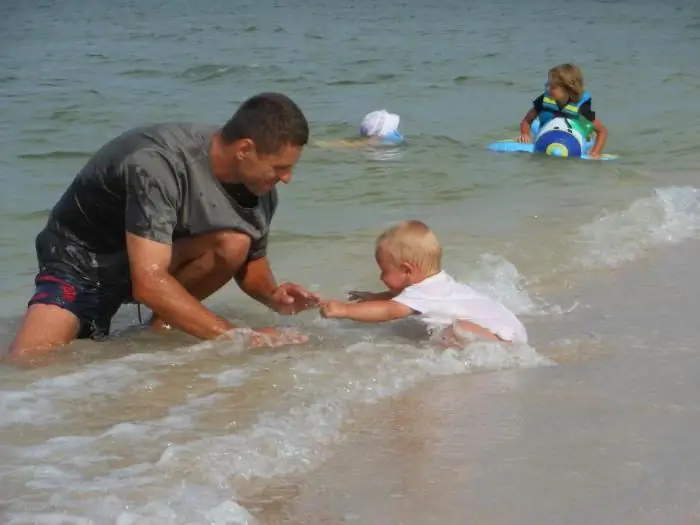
{"x": 462, "y": 331}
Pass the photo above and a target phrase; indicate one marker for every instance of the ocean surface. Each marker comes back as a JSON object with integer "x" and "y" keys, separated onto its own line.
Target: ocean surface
{"x": 599, "y": 259}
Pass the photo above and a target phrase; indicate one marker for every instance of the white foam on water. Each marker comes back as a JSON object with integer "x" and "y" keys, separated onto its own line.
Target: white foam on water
{"x": 497, "y": 277}
{"x": 35, "y": 404}
{"x": 38, "y": 402}
{"x": 189, "y": 464}
{"x": 175, "y": 469}
{"x": 230, "y": 378}
{"x": 670, "y": 216}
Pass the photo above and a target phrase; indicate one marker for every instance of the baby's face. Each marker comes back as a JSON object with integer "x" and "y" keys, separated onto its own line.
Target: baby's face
{"x": 392, "y": 275}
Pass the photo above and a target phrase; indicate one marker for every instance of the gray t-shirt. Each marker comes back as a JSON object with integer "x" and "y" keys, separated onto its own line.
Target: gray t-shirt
{"x": 155, "y": 182}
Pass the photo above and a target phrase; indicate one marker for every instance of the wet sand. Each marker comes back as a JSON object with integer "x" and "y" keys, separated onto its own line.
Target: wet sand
{"x": 607, "y": 437}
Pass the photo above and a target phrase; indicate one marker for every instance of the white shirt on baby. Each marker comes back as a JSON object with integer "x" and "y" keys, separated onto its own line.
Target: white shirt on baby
{"x": 440, "y": 300}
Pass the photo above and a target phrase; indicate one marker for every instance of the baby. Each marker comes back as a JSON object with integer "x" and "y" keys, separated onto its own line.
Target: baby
{"x": 409, "y": 256}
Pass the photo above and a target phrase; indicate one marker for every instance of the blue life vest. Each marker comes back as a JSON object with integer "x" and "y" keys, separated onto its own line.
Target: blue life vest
{"x": 551, "y": 109}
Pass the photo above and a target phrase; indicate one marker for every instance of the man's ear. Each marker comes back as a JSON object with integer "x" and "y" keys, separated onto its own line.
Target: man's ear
{"x": 243, "y": 147}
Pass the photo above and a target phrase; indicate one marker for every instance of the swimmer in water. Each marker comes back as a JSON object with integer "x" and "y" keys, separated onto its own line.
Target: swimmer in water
{"x": 378, "y": 128}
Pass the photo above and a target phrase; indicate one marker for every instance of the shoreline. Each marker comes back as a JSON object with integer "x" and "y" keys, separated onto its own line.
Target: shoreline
{"x": 607, "y": 438}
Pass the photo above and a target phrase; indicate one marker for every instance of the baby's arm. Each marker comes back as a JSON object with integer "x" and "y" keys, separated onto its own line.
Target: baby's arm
{"x": 355, "y": 295}
{"x": 525, "y": 134}
{"x": 366, "y": 312}
{"x": 601, "y": 137}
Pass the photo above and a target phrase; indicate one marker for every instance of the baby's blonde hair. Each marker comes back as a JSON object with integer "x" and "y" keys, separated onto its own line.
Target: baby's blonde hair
{"x": 412, "y": 242}
{"x": 569, "y": 78}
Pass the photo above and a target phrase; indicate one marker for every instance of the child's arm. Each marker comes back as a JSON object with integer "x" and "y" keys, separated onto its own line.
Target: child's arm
{"x": 366, "y": 312}
{"x": 601, "y": 137}
{"x": 386, "y": 295}
{"x": 525, "y": 134}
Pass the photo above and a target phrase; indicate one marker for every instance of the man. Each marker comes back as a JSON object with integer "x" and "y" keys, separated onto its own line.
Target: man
{"x": 166, "y": 215}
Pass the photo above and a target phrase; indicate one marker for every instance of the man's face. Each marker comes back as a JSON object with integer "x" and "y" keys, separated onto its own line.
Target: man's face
{"x": 261, "y": 173}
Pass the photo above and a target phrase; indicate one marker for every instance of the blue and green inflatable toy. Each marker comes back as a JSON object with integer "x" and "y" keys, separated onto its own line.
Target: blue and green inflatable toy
{"x": 560, "y": 137}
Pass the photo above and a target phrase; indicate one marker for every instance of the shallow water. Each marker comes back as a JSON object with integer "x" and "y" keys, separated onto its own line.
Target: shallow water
{"x": 166, "y": 428}
{"x": 608, "y": 436}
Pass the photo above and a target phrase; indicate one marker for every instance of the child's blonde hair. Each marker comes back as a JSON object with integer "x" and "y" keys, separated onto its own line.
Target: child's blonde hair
{"x": 569, "y": 78}
{"x": 412, "y": 242}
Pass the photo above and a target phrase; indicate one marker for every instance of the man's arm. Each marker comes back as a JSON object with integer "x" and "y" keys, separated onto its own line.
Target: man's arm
{"x": 255, "y": 278}
{"x": 153, "y": 286}
{"x": 366, "y": 312}
{"x": 153, "y": 199}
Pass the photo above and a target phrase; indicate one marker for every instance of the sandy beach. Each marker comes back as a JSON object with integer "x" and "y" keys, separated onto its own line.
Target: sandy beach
{"x": 608, "y": 438}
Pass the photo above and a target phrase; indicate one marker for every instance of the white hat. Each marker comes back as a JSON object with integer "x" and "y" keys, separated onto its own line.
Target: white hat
{"x": 379, "y": 124}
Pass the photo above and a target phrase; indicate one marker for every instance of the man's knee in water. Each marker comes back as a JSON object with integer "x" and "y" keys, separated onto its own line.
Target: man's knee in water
{"x": 232, "y": 248}
{"x": 65, "y": 307}
{"x": 225, "y": 249}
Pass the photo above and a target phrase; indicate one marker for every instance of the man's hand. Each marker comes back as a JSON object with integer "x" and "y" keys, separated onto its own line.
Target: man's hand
{"x": 265, "y": 337}
{"x": 290, "y": 298}
{"x": 270, "y": 337}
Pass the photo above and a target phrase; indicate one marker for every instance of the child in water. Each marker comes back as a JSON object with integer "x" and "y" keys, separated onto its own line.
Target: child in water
{"x": 381, "y": 127}
{"x": 377, "y": 128}
{"x": 565, "y": 97}
{"x": 409, "y": 256}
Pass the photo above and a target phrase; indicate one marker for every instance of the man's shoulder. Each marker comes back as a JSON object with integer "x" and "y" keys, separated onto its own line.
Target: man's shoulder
{"x": 178, "y": 144}
{"x": 168, "y": 135}
{"x": 164, "y": 134}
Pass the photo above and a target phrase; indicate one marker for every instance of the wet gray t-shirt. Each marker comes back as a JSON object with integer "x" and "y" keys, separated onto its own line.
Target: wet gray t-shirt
{"x": 155, "y": 182}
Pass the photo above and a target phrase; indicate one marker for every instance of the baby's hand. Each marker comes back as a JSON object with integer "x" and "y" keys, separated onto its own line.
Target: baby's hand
{"x": 332, "y": 309}
{"x": 355, "y": 295}
{"x": 525, "y": 138}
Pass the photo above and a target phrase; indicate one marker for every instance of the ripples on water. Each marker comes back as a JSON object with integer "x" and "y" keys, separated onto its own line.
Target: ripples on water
{"x": 144, "y": 426}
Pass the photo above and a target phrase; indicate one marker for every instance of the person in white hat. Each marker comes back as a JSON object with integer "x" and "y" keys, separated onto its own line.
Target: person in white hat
{"x": 377, "y": 128}
{"x": 381, "y": 125}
